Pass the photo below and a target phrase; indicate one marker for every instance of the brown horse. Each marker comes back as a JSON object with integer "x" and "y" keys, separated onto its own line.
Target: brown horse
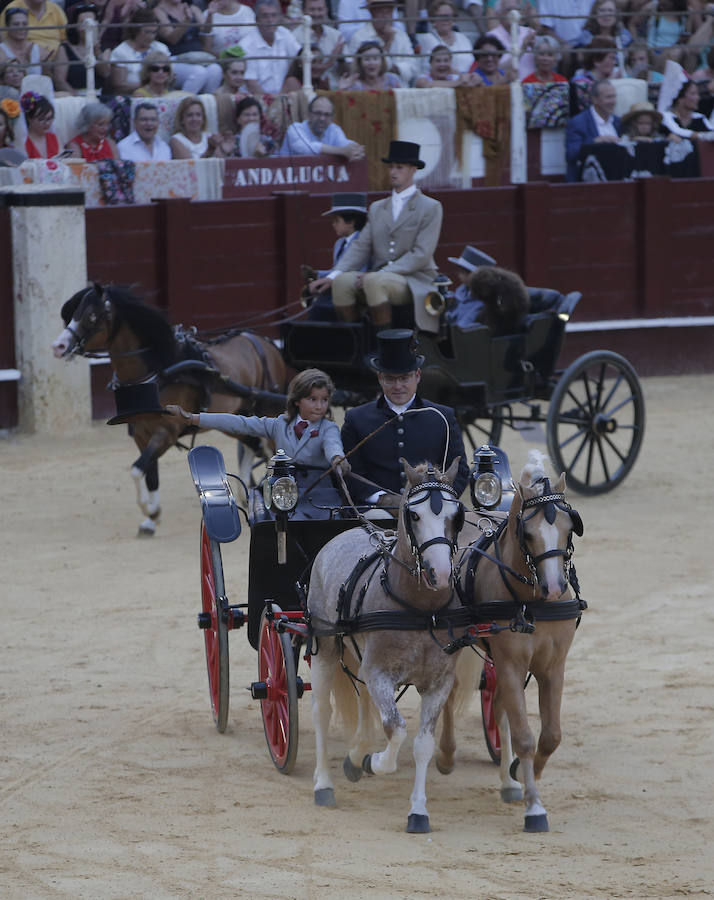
{"x": 142, "y": 346}
{"x": 527, "y": 566}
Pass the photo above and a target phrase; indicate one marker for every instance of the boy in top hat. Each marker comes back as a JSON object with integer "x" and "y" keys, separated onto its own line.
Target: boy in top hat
{"x": 467, "y": 309}
{"x": 348, "y": 214}
{"x": 400, "y": 238}
{"x": 418, "y": 430}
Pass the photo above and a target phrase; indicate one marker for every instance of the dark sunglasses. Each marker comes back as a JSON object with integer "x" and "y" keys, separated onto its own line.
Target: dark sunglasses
{"x": 159, "y": 68}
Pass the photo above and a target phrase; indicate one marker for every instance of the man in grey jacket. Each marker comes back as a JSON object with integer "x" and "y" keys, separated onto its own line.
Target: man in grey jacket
{"x": 400, "y": 236}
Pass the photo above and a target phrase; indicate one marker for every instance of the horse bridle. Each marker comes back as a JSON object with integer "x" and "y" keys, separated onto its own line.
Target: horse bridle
{"x": 549, "y": 501}
{"x": 433, "y": 493}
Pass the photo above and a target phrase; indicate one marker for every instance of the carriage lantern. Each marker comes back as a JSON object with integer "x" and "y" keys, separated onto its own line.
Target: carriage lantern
{"x": 280, "y": 492}
{"x": 485, "y": 484}
{"x": 437, "y": 300}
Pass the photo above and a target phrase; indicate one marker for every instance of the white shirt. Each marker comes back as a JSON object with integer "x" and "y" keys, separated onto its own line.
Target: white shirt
{"x": 549, "y": 12}
{"x": 327, "y": 40}
{"x": 130, "y": 59}
{"x": 399, "y": 199}
{"x": 357, "y": 9}
{"x": 136, "y": 150}
{"x": 399, "y": 409}
{"x": 228, "y": 30}
{"x": 605, "y": 127}
{"x": 269, "y": 73}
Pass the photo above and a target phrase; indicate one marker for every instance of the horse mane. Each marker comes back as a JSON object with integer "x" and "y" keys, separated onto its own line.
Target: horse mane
{"x": 423, "y": 467}
{"x": 148, "y": 323}
{"x": 534, "y": 469}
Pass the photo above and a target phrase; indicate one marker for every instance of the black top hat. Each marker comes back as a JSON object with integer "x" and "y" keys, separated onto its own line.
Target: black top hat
{"x": 471, "y": 259}
{"x": 347, "y": 203}
{"x": 134, "y": 400}
{"x": 404, "y": 152}
{"x": 396, "y": 352}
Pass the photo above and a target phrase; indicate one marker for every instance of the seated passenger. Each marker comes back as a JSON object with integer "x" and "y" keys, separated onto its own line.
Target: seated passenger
{"x": 370, "y": 71}
{"x": 305, "y": 431}
{"x": 319, "y": 134}
{"x": 466, "y": 309}
{"x": 505, "y": 298}
{"x": 593, "y": 125}
{"x": 348, "y": 214}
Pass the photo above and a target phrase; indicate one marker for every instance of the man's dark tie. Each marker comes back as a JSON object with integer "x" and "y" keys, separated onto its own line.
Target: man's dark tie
{"x": 300, "y": 428}
{"x": 341, "y": 249}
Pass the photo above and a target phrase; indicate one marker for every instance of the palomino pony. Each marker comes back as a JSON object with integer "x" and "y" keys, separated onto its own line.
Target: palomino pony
{"x": 386, "y": 631}
{"x": 142, "y": 346}
{"x": 526, "y": 567}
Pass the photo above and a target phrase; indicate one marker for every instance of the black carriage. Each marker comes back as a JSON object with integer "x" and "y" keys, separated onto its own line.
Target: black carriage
{"x": 286, "y": 533}
{"x": 593, "y": 411}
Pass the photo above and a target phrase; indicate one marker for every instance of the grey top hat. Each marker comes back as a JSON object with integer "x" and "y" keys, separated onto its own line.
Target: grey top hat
{"x": 396, "y": 352}
{"x": 347, "y": 203}
{"x": 471, "y": 259}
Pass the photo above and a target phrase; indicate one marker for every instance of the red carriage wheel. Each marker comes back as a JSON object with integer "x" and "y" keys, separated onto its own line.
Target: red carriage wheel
{"x": 487, "y": 688}
{"x": 214, "y": 622}
{"x": 277, "y": 671}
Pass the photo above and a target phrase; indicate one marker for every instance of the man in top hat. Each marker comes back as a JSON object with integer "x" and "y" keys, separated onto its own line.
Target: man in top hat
{"x": 418, "y": 430}
{"x": 467, "y": 308}
{"x": 381, "y": 27}
{"x": 348, "y": 214}
{"x": 400, "y": 238}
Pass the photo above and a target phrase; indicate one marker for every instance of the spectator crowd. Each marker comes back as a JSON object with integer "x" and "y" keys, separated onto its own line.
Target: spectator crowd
{"x": 249, "y": 54}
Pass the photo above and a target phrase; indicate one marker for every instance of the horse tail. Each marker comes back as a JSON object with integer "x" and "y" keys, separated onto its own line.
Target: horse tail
{"x": 468, "y": 665}
{"x": 346, "y": 694}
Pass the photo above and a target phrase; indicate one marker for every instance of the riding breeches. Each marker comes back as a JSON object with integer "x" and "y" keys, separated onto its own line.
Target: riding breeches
{"x": 376, "y": 287}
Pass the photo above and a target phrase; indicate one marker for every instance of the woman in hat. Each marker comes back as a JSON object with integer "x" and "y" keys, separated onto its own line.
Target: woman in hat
{"x": 371, "y": 73}
{"x": 641, "y": 123}
{"x": 683, "y": 119}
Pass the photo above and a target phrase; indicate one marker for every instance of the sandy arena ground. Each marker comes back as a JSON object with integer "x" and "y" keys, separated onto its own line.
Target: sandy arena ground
{"x": 115, "y": 783}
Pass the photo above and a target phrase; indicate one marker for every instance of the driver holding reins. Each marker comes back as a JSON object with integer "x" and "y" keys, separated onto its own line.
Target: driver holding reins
{"x": 417, "y": 429}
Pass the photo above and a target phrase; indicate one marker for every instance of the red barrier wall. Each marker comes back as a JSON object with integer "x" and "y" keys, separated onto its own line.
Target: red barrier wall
{"x": 633, "y": 249}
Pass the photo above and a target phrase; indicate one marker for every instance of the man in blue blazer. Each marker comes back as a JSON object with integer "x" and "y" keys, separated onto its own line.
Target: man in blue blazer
{"x": 418, "y": 430}
{"x": 595, "y": 125}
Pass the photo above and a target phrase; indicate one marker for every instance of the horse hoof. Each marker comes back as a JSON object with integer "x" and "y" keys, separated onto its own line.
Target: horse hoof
{"x": 367, "y": 764}
{"x": 352, "y": 772}
{"x": 511, "y": 795}
{"x": 146, "y": 530}
{"x": 534, "y": 824}
{"x": 514, "y": 769}
{"x": 325, "y": 797}
{"x": 418, "y": 824}
{"x": 443, "y": 768}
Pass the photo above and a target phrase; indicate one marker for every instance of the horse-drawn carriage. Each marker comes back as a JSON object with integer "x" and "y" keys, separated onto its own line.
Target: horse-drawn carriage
{"x": 595, "y": 417}
{"x": 293, "y": 614}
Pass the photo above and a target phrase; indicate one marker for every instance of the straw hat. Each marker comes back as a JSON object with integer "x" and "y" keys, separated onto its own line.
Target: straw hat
{"x": 641, "y": 109}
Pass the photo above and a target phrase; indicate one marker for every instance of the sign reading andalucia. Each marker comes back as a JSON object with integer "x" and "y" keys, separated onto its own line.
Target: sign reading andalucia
{"x": 314, "y": 174}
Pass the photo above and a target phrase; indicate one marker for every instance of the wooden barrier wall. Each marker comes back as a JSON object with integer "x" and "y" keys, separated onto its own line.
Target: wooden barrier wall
{"x": 633, "y": 249}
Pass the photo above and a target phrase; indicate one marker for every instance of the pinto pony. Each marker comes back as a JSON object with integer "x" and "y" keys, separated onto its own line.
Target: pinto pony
{"x": 528, "y": 566}
{"x": 387, "y": 631}
{"x": 142, "y": 346}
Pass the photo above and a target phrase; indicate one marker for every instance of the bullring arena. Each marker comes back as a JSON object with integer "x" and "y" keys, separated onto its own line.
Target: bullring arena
{"x": 117, "y": 785}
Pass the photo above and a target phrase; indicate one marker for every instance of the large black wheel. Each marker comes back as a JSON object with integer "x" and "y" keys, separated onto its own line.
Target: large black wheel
{"x": 277, "y": 670}
{"x": 214, "y": 622}
{"x": 487, "y": 687}
{"x": 596, "y": 422}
